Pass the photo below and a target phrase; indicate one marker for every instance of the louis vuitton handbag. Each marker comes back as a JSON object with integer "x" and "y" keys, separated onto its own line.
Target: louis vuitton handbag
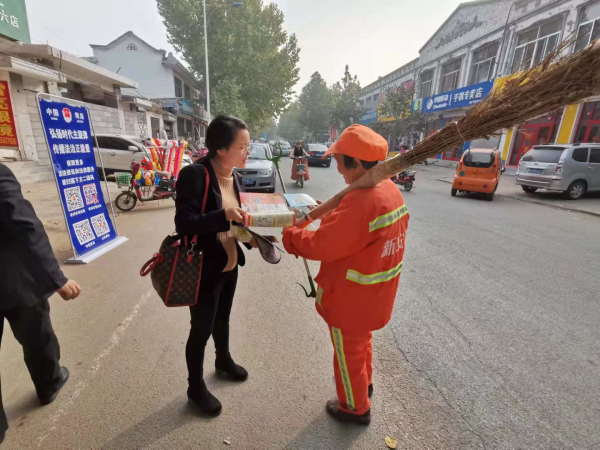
{"x": 176, "y": 270}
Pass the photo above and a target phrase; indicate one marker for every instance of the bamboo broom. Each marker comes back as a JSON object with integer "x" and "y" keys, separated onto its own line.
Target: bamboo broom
{"x": 527, "y": 95}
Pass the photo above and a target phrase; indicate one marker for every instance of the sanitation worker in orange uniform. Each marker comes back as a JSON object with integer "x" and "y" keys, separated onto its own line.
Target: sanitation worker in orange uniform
{"x": 360, "y": 245}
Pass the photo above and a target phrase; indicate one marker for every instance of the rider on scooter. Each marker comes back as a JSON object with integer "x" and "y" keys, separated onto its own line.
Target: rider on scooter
{"x": 300, "y": 153}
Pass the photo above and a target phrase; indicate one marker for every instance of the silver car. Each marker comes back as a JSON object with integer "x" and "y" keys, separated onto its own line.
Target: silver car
{"x": 286, "y": 148}
{"x": 259, "y": 173}
{"x": 571, "y": 168}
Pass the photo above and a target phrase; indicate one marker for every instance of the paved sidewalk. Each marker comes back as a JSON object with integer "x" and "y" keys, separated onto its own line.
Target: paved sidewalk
{"x": 590, "y": 204}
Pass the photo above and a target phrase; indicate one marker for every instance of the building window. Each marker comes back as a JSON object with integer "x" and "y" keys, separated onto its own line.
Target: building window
{"x": 534, "y": 45}
{"x": 178, "y": 87}
{"x": 426, "y": 84}
{"x": 589, "y": 26}
{"x": 361, "y": 103}
{"x": 589, "y": 124}
{"x": 450, "y": 75}
{"x": 484, "y": 59}
{"x": 132, "y": 48}
{"x": 187, "y": 92}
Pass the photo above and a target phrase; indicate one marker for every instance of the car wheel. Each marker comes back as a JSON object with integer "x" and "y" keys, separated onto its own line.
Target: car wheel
{"x": 576, "y": 190}
{"x": 529, "y": 189}
{"x": 327, "y": 164}
{"x": 453, "y": 192}
{"x": 489, "y": 197}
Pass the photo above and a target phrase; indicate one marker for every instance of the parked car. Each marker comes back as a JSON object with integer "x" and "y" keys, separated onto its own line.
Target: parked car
{"x": 316, "y": 152}
{"x": 573, "y": 169}
{"x": 259, "y": 173}
{"x": 286, "y": 148}
{"x": 479, "y": 170}
{"x": 117, "y": 151}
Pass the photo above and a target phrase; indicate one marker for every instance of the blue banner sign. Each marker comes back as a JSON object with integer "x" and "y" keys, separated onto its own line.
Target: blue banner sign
{"x": 459, "y": 98}
{"x": 69, "y": 138}
{"x": 369, "y": 117}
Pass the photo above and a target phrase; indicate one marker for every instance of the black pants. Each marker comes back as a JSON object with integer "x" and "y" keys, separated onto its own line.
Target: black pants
{"x": 32, "y": 328}
{"x": 210, "y": 316}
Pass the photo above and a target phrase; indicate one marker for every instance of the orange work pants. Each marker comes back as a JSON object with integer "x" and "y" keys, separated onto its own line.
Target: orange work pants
{"x": 353, "y": 368}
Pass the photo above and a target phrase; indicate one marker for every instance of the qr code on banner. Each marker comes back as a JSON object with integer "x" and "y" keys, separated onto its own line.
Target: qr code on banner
{"x": 73, "y": 198}
{"x": 83, "y": 231}
{"x": 90, "y": 193}
{"x": 100, "y": 225}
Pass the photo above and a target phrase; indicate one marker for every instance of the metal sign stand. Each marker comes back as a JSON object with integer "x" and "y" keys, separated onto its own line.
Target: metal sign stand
{"x": 105, "y": 248}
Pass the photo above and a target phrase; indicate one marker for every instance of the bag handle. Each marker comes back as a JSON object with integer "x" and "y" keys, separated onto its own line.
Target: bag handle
{"x": 204, "y": 200}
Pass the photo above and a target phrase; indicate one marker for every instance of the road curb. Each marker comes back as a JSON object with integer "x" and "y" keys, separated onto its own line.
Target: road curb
{"x": 535, "y": 202}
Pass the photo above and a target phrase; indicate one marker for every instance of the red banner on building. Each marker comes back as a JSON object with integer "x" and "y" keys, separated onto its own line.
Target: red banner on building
{"x": 8, "y": 128}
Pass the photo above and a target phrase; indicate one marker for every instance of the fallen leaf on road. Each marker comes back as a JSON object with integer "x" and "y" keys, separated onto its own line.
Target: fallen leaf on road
{"x": 391, "y": 442}
{"x": 227, "y": 441}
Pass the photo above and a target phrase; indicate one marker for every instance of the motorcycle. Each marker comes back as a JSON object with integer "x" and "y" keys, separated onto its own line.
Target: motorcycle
{"x": 405, "y": 179}
{"x": 150, "y": 186}
{"x": 300, "y": 166}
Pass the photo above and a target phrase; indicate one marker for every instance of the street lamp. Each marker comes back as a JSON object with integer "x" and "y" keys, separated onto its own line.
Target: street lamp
{"x": 234, "y": 4}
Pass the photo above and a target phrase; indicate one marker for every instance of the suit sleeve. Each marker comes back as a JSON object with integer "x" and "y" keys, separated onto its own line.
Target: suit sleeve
{"x": 340, "y": 235}
{"x": 189, "y": 219}
{"x": 18, "y": 221}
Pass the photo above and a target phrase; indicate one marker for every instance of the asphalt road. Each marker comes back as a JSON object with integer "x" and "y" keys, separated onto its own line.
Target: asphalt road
{"x": 494, "y": 342}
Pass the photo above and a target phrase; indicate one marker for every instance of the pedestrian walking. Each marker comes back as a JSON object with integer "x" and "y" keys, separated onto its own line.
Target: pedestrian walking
{"x": 228, "y": 143}
{"x": 29, "y": 275}
{"x": 360, "y": 268}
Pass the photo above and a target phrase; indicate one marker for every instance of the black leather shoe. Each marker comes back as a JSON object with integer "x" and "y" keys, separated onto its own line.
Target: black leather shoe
{"x": 370, "y": 390}
{"x": 227, "y": 368}
{"x": 201, "y": 397}
{"x": 333, "y": 408}
{"x": 64, "y": 376}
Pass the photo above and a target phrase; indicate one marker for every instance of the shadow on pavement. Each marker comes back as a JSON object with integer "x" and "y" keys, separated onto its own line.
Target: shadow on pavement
{"x": 325, "y": 432}
{"x": 174, "y": 415}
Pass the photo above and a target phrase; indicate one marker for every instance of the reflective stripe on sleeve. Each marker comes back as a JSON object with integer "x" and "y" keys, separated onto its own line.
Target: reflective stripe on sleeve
{"x": 381, "y": 277}
{"x": 319, "y": 296}
{"x": 388, "y": 219}
{"x": 339, "y": 351}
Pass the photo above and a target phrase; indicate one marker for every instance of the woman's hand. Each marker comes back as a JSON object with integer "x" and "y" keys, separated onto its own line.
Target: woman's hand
{"x": 235, "y": 214}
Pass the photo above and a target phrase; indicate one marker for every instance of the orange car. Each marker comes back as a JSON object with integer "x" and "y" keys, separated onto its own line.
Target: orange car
{"x": 479, "y": 170}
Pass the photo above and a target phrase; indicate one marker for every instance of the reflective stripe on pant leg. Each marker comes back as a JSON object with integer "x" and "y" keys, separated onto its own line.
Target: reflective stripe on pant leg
{"x": 338, "y": 341}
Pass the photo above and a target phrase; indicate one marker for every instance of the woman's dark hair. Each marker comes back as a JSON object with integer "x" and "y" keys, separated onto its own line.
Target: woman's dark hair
{"x": 221, "y": 133}
{"x": 350, "y": 164}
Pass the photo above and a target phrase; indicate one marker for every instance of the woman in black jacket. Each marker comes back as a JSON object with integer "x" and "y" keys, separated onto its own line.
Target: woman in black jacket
{"x": 228, "y": 143}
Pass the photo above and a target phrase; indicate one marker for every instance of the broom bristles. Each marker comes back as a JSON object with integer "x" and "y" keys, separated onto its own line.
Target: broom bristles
{"x": 527, "y": 95}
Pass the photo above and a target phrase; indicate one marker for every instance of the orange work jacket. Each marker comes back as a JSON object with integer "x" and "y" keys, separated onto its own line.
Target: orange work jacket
{"x": 360, "y": 245}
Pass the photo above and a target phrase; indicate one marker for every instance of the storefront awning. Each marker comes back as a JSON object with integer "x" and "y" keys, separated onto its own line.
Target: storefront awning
{"x": 29, "y": 69}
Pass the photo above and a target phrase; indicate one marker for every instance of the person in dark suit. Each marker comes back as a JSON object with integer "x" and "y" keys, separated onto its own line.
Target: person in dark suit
{"x": 228, "y": 143}
{"x": 29, "y": 275}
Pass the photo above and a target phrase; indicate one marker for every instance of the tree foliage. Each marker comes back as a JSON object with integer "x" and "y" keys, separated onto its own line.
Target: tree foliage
{"x": 320, "y": 106}
{"x": 346, "y": 95}
{"x": 252, "y": 59}
{"x": 397, "y": 105}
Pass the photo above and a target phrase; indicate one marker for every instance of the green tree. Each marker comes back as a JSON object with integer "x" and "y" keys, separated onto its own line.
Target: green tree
{"x": 315, "y": 105}
{"x": 228, "y": 100}
{"x": 290, "y": 124}
{"x": 397, "y": 105}
{"x": 346, "y": 96}
{"x": 247, "y": 48}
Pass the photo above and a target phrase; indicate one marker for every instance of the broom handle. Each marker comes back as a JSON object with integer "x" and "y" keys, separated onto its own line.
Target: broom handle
{"x": 372, "y": 178}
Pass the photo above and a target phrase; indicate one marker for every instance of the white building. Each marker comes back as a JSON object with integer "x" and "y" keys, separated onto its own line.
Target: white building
{"x": 482, "y": 42}
{"x": 162, "y": 79}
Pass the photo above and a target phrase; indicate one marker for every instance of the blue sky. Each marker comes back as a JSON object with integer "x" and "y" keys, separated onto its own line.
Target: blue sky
{"x": 374, "y": 37}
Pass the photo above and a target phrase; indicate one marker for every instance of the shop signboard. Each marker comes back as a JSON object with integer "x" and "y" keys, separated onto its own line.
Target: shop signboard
{"x": 13, "y": 20}
{"x": 459, "y": 98}
{"x": 8, "y": 129}
{"x": 417, "y": 105}
{"x": 69, "y": 137}
{"x": 369, "y": 117}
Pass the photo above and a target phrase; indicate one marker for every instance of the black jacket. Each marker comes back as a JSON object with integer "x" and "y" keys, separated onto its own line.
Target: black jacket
{"x": 29, "y": 271}
{"x": 190, "y": 221}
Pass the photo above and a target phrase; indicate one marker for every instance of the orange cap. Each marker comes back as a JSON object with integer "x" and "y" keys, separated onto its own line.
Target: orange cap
{"x": 360, "y": 142}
